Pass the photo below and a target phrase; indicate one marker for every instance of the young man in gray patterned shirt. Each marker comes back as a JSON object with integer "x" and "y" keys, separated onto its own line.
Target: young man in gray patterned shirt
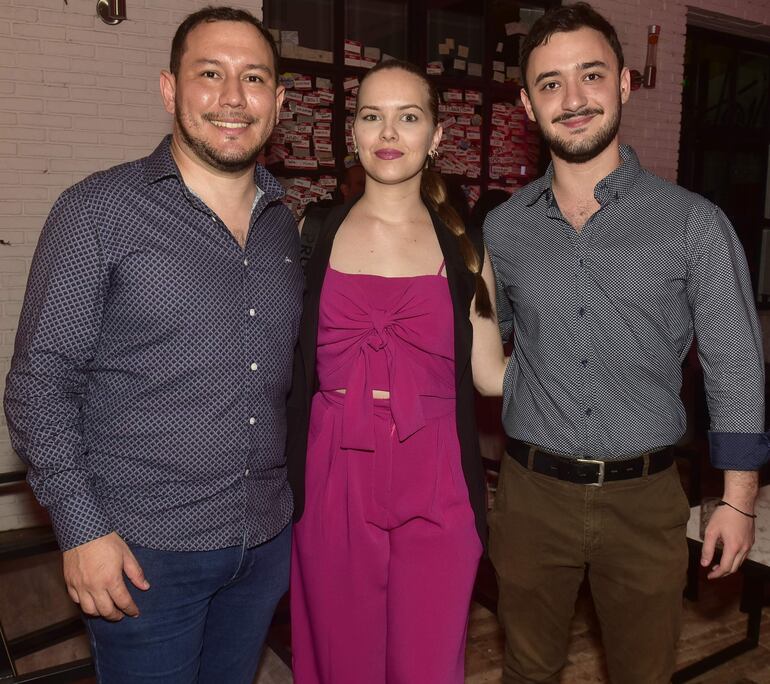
{"x": 606, "y": 274}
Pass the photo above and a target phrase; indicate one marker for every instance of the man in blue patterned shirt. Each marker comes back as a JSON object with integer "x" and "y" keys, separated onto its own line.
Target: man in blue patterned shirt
{"x": 605, "y": 274}
{"x": 153, "y": 358}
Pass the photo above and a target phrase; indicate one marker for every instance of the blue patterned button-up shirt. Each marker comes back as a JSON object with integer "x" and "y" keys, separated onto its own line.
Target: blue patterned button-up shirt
{"x": 604, "y": 317}
{"x": 153, "y": 358}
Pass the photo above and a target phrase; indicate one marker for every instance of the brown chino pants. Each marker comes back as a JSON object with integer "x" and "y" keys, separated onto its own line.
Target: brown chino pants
{"x": 630, "y": 535}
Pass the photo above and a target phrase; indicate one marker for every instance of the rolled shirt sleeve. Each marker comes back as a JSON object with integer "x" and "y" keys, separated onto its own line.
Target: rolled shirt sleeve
{"x": 47, "y": 384}
{"x": 729, "y": 340}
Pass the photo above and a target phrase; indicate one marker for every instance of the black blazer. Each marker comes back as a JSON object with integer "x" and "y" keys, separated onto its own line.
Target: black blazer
{"x": 462, "y": 287}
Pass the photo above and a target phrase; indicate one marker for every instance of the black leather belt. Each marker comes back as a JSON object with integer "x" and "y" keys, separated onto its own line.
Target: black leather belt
{"x": 585, "y": 470}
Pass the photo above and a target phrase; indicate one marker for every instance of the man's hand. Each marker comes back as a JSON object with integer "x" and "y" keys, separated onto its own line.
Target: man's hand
{"x": 736, "y": 533}
{"x": 734, "y": 529}
{"x": 93, "y": 573}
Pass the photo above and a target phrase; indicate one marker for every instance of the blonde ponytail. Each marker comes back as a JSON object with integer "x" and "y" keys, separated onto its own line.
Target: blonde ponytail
{"x": 434, "y": 194}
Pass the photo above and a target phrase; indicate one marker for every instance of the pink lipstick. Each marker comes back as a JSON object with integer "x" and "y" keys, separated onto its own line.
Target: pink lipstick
{"x": 389, "y": 154}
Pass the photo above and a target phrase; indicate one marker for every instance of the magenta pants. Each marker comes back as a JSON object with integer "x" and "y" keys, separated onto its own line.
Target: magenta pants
{"x": 385, "y": 555}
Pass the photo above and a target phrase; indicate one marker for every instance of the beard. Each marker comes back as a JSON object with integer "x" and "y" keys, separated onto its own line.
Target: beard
{"x": 230, "y": 161}
{"x": 581, "y": 151}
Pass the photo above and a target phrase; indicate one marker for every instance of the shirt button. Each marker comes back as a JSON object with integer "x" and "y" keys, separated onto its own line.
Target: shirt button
{"x": 246, "y": 472}
{"x": 588, "y": 411}
{"x": 252, "y": 312}
{"x": 214, "y": 219}
{"x": 252, "y": 420}
{"x": 245, "y": 262}
{"x": 253, "y": 366}
{"x": 582, "y": 311}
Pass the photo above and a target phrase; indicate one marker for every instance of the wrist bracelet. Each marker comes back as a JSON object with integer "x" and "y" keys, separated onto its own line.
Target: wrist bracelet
{"x": 724, "y": 503}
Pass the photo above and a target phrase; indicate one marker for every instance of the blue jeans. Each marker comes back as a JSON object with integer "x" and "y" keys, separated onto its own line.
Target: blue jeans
{"x": 204, "y": 618}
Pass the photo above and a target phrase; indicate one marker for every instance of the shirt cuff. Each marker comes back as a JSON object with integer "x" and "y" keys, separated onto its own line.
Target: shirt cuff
{"x": 77, "y": 520}
{"x": 739, "y": 450}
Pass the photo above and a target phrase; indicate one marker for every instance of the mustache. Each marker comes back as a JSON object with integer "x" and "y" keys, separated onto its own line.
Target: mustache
{"x": 575, "y": 115}
{"x": 229, "y": 116}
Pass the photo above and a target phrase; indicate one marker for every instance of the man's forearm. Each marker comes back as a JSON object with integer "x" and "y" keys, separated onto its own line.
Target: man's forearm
{"x": 741, "y": 487}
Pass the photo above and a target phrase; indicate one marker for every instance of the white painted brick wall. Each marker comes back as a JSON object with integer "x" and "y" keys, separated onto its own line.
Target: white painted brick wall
{"x": 76, "y": 96}
{"x": 652, "y": 118}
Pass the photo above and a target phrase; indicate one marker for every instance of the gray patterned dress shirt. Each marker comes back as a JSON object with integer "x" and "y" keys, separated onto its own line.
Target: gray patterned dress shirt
{"x": 604, "y": 317}
{"x": 153, "y": 358}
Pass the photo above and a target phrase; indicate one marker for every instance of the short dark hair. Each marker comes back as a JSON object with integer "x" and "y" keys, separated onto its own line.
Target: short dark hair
{"x": 563, "y": 20}
{"x": 210, "y": 14}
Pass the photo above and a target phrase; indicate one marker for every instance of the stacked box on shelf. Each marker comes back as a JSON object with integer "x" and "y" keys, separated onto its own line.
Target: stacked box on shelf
{"x": 302, "y": 140}
{"x": 358, "y": 55}
{"x": 350, "y": 86}
{"x": 514, "y": 147}
{"x": 460, "y": 148}
{"x": 302, "y": 190}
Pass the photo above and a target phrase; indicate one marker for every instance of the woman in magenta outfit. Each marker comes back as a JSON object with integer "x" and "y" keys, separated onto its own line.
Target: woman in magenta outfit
{"x": 383, "y": 454}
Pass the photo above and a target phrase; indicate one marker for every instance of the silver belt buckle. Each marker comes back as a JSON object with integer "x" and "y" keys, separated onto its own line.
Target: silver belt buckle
{"x": 600, "y": 480}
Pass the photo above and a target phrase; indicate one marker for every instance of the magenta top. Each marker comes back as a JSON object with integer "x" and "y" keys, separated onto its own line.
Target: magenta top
{"x": 391, "y": 334}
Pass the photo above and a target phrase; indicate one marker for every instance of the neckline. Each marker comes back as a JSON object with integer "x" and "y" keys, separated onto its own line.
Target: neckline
{"x": 381, "y": 277}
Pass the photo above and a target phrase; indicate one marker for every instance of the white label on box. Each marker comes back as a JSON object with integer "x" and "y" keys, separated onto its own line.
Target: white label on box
{"x": 350, "y": 83}
{"x": 459, "y": 64}
{"x": 352, "y": 46}
{"x": 474, "y": 69}
{"x": 291, "y": 37}
{"x": 296, "y": 163}
{"x": 372, "y": 53}
{"x": 303, "y": 111}
{"x": 463, "y": 51}
{"x": 303, "y": 83}
{"x": 302, "y": 182}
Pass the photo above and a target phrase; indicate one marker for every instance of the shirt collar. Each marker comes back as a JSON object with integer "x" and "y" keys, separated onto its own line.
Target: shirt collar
{"x": 612, "y": 187}
{"x": 160, "y": 164}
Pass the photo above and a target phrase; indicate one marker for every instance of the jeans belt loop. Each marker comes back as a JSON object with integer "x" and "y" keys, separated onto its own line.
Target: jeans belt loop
{"x": 600, "y": 477}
